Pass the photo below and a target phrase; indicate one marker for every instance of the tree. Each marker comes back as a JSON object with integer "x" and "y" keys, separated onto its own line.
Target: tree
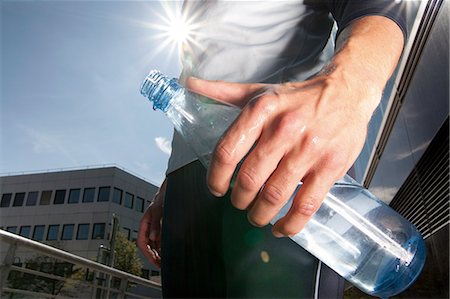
{"x": 126, "y": 255}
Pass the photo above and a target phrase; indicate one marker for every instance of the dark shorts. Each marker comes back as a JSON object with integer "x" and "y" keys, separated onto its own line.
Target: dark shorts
{"x": 209, "y": 249}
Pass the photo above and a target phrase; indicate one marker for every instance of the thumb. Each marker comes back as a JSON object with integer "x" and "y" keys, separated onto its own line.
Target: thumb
{"x": 236, "y": 94}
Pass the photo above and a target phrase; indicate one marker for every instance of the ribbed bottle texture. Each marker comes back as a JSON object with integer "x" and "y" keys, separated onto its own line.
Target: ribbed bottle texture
{"x": 353, "y": 232}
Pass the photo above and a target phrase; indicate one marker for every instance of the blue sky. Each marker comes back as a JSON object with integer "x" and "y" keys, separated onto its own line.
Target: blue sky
{"x": 70, "y": 78}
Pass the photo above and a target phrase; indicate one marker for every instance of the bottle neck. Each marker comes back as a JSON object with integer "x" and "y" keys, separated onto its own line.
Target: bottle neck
{"x": 160, "y": 89}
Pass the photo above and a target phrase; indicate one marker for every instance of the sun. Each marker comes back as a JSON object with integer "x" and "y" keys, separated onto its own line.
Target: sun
{"x": 177, "y": 29}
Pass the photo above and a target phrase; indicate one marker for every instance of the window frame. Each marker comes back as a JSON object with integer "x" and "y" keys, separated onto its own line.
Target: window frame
{"x": 49, "y": 231}
{"x": 71, "y": 191}
{"x": 100, "y": 189}
{"x": 18, "y": 202}
{"x": 49, "y": 199}
{"x": 85, "y": 194}
{"x": 57, "y": 200}
{"x": 77, "y": 236}
{"x": 29, "y": 202}
{"x": 33, "y": 236}
{"x": 63, "y": 231}
{"x": 4, "y": 198}
{"x": 95, "y": 225}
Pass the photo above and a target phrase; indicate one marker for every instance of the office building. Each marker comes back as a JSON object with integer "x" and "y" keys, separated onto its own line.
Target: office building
{"x": 74, "y": 209}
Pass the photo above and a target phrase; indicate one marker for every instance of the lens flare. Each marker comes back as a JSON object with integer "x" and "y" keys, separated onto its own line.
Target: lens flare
{"x": 177, "y": 28}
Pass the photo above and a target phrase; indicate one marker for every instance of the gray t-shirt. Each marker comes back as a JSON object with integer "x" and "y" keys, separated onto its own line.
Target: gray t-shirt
{"x": 252, "y": 41}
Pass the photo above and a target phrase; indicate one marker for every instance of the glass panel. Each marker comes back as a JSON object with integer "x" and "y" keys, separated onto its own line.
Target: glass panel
{"x": 60, "y": 196}
{"x": 45, "y": 198}
{"x": 6, "y": 200}
{"x": 117, "y": 196}
{"x": 103, "y": 194}
{"x": 19, "y": 199}
{"x": 128, "y": 200}
{"x": 139, "y": 204}
{"x": 52, "y": 233}
{"x": 83, "y": 231}
{"x": 67, "y": 232}
{"x": 74, "y": 196}
{"x": 25, "y": 231}
{"x": 88, "y": 195}
{"x": 38, "y": 233}
{"x": 11, "y": 229}
{"x": 32, "y": 198}
{"x": 99, "y": 231}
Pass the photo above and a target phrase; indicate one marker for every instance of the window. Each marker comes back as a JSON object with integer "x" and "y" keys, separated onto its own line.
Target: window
{"x": 32, "y": 198}
{"x": 83, "y": 231}
{"x": 53, "y": 231}
{"x": 129, "y": 200}
{"x": 74, "y": 196}
{"x": 19, "y": 199}
{"x": 25, "y": 231}
{"x": 155, "y": 273}
{"x": 103, "y": 194}
{"x": 145, "y": 273}
{"x": 139, "y": 204}
{"x": 6, "y": 200}
{"x": 67, "y": 232}
{"x": 126, "y": 232}
{"x": 11, "y": 229}
{"x": 45, "y": 198}
{"x": 134, "y": 235}
{"x": 38, "y": 232}
{"x": 117, "y": 196}
{"x": 88, "y": 195}
{"x": 60, "y": 196}
{"x": 99, "y": 231}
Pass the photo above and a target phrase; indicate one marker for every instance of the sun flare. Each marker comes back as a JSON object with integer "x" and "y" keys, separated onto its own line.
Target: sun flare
{"x": 176, "y": 29}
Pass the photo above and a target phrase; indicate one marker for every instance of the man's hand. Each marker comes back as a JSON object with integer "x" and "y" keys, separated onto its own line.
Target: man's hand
{"x": 308, "y": 131}
{"x": 149, "y": 236}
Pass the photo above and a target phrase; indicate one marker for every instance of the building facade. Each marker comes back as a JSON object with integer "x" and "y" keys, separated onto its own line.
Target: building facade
{"x": 75, "y": 210}
{"x": 407, "y": 164}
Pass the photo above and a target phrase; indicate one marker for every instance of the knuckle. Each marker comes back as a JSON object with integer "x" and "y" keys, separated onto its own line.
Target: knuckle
{"x": 261, "y": 104}
{"x": 248, "y": 179}
{"x": 273, "y": 195}
{"x": 288, "y": 123}
{"x": 223, "y": 155}
{"x": 307, "y": 207}
{"x": 334, "y": 161}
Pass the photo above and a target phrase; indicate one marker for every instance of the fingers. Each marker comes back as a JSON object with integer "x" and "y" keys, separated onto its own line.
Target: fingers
{"x": 236, "y": 143}
{"x": 148, "y": 240}
{"x": 236, "y": 94}
{"x": 257, "y": 167}
{"x": 279, "y": 188}
{"x": 306, "y": 202}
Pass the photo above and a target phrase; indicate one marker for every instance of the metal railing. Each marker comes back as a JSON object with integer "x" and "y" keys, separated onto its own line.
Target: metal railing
{"x": 106, "y": 282}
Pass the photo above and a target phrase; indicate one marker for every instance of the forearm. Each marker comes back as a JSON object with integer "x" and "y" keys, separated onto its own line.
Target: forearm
{"x": 367, "y": 52}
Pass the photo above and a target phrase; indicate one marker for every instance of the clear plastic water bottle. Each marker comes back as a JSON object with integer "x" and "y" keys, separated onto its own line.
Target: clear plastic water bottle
{"x": 353, "y": 232}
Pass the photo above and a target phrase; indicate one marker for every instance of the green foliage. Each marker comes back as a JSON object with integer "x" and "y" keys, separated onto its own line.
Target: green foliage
{"x": 126, "y": 257}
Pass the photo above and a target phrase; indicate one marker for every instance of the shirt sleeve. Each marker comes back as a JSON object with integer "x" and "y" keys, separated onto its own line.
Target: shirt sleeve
{"x": 344, "y": 12}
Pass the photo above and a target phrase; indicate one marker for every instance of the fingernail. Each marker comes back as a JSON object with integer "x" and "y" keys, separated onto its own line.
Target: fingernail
{"x": 215, "y": 193}
{"x": 277, "y": 234}
{"x": 251, "y": 221}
